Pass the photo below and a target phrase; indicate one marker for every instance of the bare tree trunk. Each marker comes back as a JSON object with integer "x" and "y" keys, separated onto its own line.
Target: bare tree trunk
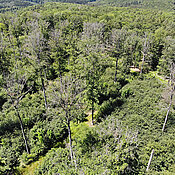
{"x": 92, "y": 112}
{"x": 172, "y": 80}
{"x": 16, "y": 109}
{"x": 151, "y": 156}
{"x": 44, "y": 92}
{"x": 166, "y": 118}
{"x": 143, "y": 60}
{"x": 93, "y": 97}
{"x": 70, "y": 139}
{"x": 116, "y": 66}
{"x": 70, "y": 142}
{"x": 22, "y": 129}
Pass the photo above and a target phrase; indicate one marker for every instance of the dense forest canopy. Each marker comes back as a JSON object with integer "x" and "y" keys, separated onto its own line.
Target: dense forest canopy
{"x": 87, "y": 89}
{"x": 146, "y": 4}
{"x": 166, "y": 5}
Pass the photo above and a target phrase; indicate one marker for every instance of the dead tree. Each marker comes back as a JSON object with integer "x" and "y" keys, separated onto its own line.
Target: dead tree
{"x": 150, "y": 159}
{"x": 116, "y": 47}
{"x": 35, "y": 51}
{"x": 172, "y": 84}
{"x": 16, "y": 89}
{"x": 145, "y": 51}
{"x": 66, "y": 94}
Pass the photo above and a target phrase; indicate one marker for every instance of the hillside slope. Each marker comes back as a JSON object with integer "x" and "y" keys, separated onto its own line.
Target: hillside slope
{"x": 146, "y": 4}
{"x": 166, "y": 5}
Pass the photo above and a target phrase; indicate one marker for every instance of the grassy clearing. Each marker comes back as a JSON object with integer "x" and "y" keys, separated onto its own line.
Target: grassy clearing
{"x": 160, "y": 78}
{"x": 89, "y": 118}
{"x": 30, "y": 169}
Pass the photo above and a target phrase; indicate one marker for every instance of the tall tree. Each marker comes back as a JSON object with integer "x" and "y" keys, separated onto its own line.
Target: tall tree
{"x": 116, "y": 46}
{"x": 62, "y": 46}
{"x": 169, "y": 55}
{"x": 16, "y": 89}
{"x": 92, "y": 60}
{"x": 132, "y": 48}
{"x": 172, "y": 81}
{"x": 146, "y": 45}
{"x": 36, "y": 51}
{"x": 66, "y": 94}
{"x": 4, "y": 60}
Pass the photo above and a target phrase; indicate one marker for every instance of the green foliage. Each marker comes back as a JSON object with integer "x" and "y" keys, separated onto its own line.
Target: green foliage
{"x": 84, "y": 138}
{"x": 80, "y": 58}
{"x": 9, "y": 5}
{"x": 157, "y": 4}
{"x": 56, "y": 161}
{"x": 11, "y": 148}
{"x": 144, "y": 110}
{"x": 107, "y": 107}
{"x": 99, "y": 150}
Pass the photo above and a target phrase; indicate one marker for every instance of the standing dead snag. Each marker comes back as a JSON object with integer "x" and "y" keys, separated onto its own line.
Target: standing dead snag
{"x": 145, "y": 50}
{"x": 150, "y": 159}
{"x": 66, "y": 93}
{"x": 172, "y": 83}
{"x": 35, "y": 51}
{"x": 16, "y": 90}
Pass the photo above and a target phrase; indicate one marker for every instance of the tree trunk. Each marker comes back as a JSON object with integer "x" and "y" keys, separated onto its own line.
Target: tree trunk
{"x": 116, "y": 66}
{"x": 70, "y": 142}
{"x": 44, "y": 93}
{"x": 93, "y": 96}
{"x": 150, "y": 159}
{"x": 166, "y": 118}
{"x": 70, "y": 139}
{"x": 143, "y": 60}
{"x": 92, "y": 112}
{"x": 22, "y": 129}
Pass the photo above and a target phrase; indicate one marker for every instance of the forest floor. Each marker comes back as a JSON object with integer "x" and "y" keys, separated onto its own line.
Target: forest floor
{"x": 160, "y": 78}
{"x": 89, "y": 118}
{"x": 30, "y": 169}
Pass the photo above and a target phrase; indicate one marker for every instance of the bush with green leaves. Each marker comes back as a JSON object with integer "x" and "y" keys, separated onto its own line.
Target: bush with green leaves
{"x": 57, "y": 160}
{"x": 144, "y": 110}
{"x": 108, "y": 148}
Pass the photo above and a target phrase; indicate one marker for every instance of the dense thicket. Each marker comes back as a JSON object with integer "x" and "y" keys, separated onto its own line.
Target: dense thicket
{"x": 64, "y": 64}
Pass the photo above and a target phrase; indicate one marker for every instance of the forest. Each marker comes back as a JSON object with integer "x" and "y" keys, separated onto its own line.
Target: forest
{"x": 87, "y": 89}
{"x": 165, "y": 5}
